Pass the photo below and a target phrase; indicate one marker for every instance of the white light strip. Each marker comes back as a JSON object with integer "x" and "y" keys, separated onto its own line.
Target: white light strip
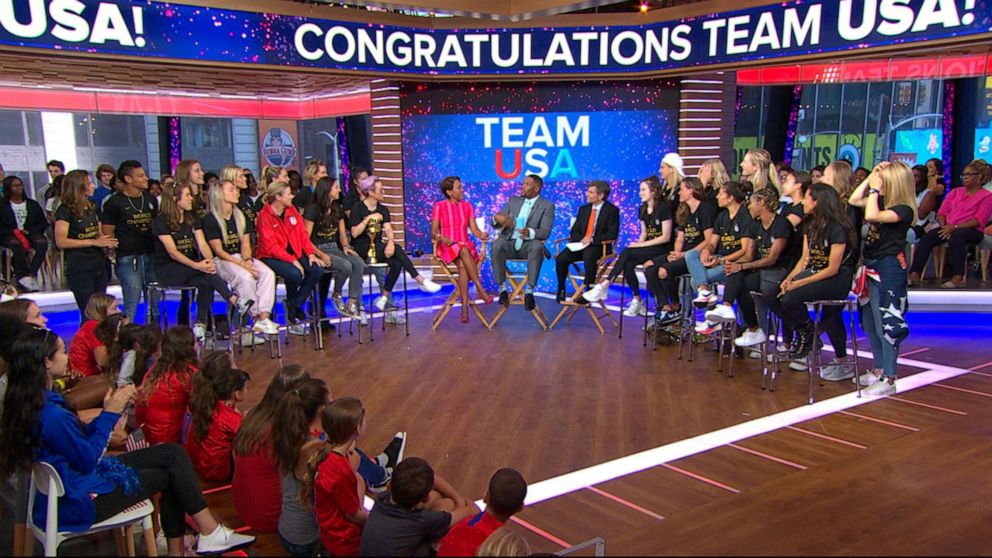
{"x": 706, "y": 81}
{"x": 715, "y": 155}
{"x": 386, "y": 116}
{"x": 706, "y": 138}
{"x": 700, "y": 129}
{"x": 707, "y": 91}
{"x": 696, "y": 109}
{"x": 59, "y": 131}
{"x": 708, "y": 101}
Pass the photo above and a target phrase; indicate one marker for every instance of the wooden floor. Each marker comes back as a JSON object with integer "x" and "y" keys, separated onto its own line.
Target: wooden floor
{"x": 904, "y": 475}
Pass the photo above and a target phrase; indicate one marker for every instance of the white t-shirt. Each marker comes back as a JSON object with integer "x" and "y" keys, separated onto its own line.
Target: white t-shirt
{"x": 20, "y": 213}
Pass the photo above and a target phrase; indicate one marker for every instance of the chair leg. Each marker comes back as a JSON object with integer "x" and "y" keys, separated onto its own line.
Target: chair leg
{"x": 129, "y": 539}
{"x": 119, "y": 541}
{"x": 151, "y": 549}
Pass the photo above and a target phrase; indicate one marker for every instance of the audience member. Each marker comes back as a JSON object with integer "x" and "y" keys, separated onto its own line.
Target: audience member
{"x": 213, "y": 405}
{"x": 504, "y": 498}
{"x": 325, "y": 221}
{"x": 22, "y": 229}
{"x": 77, "y": 234}
{"x": 87, "y": 353}
{"x": 504, "y": 542}
{"x": 165, "y": 390}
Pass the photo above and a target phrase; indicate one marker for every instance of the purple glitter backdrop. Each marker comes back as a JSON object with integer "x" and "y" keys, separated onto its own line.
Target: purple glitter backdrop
{"x": 642, "y": 143}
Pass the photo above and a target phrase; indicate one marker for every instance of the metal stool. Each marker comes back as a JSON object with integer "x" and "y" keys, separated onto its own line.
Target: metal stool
{"x": 723, "y": 338}
{"x": 370, "y": 270}
{"x": 647, "y": 310}
{"x": 158, "y": 292}
{"x": 768, "y": 349}
{"x": 815, "y": 361}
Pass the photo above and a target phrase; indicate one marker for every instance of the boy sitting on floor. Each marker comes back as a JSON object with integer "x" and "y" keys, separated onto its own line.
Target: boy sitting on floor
{"x": 504, "y": 498}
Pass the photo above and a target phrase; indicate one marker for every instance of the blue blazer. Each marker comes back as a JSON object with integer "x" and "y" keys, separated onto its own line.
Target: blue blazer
{"x": 76, "y": 452}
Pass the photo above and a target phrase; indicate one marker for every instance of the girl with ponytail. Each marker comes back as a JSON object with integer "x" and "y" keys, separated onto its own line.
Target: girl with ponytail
{"x": 217, "y": 390}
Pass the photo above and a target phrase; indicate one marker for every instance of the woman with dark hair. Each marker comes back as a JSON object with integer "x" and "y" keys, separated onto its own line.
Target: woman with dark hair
{"x": 295, "y": 181}
{"x": 255, "y": 489}
{"x": 190, "y": 175}
{"x": 794, "y": 187}
{"x": 371, "y": 210}
{"x": 42, "y": 427}
{"x": 694, "y": 219}
{"x": 654, "y": 242}
{"x": 78, "y": 235}
{"x": 823, "y": 272}
{"x": 22, "y": 228}
{"x": 25, "y": 310}
{"x": 325, "y": 221}
{"x": 53, "y": 197}
{"x": 183, "y": 258}
{"x": 962, "y": 216}
{"x": 451, "y": 221}
{"x": 165, "y": 389}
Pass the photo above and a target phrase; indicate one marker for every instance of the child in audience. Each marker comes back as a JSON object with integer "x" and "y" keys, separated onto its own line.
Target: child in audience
{"x": 504, "y": 542}
{"x": 136, "y": 345}
{"x": 86, "y": 352}
{"x": 504, "y": 498}
{"x": 217, "y": 390}
{"x": 255, "y": 488}
{"x": 418, "y": 510}
{"x": 165, "y": 391}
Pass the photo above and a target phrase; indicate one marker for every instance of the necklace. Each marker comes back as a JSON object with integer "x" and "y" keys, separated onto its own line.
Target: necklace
{"x": 141, "y": 206}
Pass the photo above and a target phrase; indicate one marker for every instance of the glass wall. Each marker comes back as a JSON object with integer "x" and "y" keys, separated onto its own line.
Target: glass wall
{"x": 209, "y": 141}
{"x": 319, "y": 139}
{"x": 863, "y": 123}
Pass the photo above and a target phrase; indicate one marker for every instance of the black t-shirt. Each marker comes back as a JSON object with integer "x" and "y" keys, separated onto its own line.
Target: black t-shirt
{"x": 764, "y": 238}
{"x": 350, "y": 199}
{"x": 132, "y": 221}
{"x": 653, "y": 222}
{"x": 231, "y": 242}
{"x": 856, "y": 216}
{"x": 325, "y": 231}
{"x": 391, "y": 530}
{"x": 696, "y": 223}
{"x": 819, "y": 254}
{"x": 888, "y": 239}
{"x": 183, "y": 238}
{"x": 792, "y": 209}
{"x": 731, "y": 231}
{"x": 82, "y": 228}
{"x": 303, "y": 198}
{"x": 248, "y": 207}
{"x": 361, "y": 243}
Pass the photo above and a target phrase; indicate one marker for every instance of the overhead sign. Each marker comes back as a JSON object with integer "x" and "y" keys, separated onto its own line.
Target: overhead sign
{"x": 177, "y": 31}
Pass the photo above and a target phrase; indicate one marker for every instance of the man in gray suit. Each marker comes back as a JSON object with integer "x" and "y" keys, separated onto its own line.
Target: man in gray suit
{"x": 524, "y": 224}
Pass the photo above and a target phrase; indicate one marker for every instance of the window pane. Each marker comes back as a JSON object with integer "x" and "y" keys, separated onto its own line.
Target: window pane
{"x": 36, "y": 134}
{"x": 82, "y": 130}
{"x": 115, "y": 130}
{"x": 11, "y": 128}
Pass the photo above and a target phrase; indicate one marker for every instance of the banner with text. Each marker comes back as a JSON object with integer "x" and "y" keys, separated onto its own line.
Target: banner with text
{"x": 177, "y": 31}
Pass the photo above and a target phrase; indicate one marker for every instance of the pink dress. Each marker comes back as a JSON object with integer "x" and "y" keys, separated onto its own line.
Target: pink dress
{"x": 454, "y": 219}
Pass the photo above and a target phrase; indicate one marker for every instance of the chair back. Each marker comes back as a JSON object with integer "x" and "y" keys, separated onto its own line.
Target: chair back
{"x": 46, "y": 479}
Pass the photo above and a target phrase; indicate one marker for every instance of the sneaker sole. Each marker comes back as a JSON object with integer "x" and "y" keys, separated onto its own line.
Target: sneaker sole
{"x": 232, "y": 548}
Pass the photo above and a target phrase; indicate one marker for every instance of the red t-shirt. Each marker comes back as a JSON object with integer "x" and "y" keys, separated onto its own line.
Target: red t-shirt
{"x": 212, "y": 457}
{"x": 161, "y": 409}
{"x": 336, "y": 495}
{"x": 81, "y": 358}
{"x": 256, "y": 490}
{"x": 465, "y": 538}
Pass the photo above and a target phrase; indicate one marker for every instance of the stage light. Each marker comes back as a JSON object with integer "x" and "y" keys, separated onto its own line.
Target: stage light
{"x": 644, "y": 7}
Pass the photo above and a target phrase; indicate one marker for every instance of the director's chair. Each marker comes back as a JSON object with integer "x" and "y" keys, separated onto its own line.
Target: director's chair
{"x": 450, "y": 272}
{"x": 572, "y": 305}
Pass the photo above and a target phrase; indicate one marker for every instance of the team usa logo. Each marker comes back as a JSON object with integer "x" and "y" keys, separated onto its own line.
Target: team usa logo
{"x": 536, "y": 144}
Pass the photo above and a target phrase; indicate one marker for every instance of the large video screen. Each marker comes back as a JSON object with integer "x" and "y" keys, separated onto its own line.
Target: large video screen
{"x": 494, "y": 135}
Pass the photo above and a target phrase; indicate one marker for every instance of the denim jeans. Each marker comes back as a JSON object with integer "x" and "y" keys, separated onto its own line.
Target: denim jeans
{"x": 134, "y": 273}
{"x": 702, "y": 275}
{"x": 883, "y": 318}
{"x": 299, "y": 286}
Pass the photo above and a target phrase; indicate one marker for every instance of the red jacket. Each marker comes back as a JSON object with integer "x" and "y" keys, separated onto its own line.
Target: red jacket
{"x": 275, "y": 233}
{"x": 211, "y": 457}
{"x": 160, "y": 411}
{"x": 256, "y": 488}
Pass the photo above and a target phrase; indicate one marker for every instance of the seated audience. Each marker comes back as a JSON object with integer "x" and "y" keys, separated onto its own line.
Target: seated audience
{"x": 598, "y": 222}
{"x": 22, "y": 228}
{"x": 713, "y": 174}
{"x": 87, "y": 353}
{"x": 130, "y": 357}
{"x": 654, "y": 242}
{"x": 504, "y": 498}
{"x": 504, "y": 542}
{"x": 213, "y": 404}
{"x": 823, "y": 272}
{"x": 256, "y": 487}
{"x": 962, "y": 216}
{"x": 164, "y": 393}
{"x": 451, "y": 221}
{"x": 97, "y": 486}
{"x": 414, "y": 515}
{"x": 756, "y": 168}
{"x": 325, "y": 220}
{"x": 25, "y": 310}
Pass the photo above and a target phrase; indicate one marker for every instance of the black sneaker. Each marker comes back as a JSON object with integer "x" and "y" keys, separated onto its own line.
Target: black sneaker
{"x": 529, "y": 303}
{"x": 560, "y": 297}
{"x": 394, "y": 451}
{"x": 803, "y": 343}
{"x": 504, "y": 298}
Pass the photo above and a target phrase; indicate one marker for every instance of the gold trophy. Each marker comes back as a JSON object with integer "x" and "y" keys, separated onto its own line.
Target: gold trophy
{"x": 374, "y": 228}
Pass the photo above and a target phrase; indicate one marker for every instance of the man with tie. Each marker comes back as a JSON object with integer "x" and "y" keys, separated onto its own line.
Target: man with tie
{"x": 524, "y": 223}
{"x": 597, "y": 222}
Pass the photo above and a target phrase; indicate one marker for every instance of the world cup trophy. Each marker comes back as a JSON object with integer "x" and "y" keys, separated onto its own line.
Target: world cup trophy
{"x": 374, "y": 229}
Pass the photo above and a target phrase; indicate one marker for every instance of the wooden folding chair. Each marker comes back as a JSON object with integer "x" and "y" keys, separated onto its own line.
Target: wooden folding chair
{"x": 518, "y": 281}
{"x": 572, "y": 305}
{"x": 450, "y": 272}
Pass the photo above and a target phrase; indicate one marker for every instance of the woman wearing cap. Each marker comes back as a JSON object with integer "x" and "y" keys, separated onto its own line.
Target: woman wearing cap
{"x": 672, "y": 173}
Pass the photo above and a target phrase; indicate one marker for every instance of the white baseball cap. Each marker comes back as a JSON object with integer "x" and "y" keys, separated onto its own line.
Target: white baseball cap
{"x": 675, "y": 161}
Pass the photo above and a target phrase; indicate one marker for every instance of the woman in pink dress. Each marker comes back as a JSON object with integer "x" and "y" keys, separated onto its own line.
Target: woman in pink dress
{"x": 451, "y": 220}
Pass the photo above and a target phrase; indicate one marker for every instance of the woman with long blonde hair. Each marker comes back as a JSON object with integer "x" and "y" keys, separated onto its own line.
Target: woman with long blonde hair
{"x": 756, "y": 168}
{"x": 713, "y": 174}
{"x": 78, "y": 235}
{"x": 889, "y": 200}
{"x": 226, "y": 230}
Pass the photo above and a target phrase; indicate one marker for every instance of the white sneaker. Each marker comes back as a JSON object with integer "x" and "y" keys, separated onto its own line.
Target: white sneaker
{"x": 837, "y": 372}
{"x": 243, "y": 305}
{"x": 381, "y": 302}
{"x": 597, "y": 293}
{"x": 429, "y": 286}
{"x": 251, "y": 339}
{"x": 395, "y": 317}
{"x": 363, "y": 318}
{"x": 29, "y": 283}
{"x": 880, "y": 389}
{"x": 751, "y": 338}
{"x": 867, "y": 379}
{"x": 199, "y": 331}
{"x": 223, "y": 539}
{"x": 298, "y": 329}
{"x": 704, "y": 297}
{"x": 634, "y": 309}
{"x": 721, "y": 314}
{"x": 798, "y": 365}
{"x": 266, "y": 326}
{"x": 706, "y": 328}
